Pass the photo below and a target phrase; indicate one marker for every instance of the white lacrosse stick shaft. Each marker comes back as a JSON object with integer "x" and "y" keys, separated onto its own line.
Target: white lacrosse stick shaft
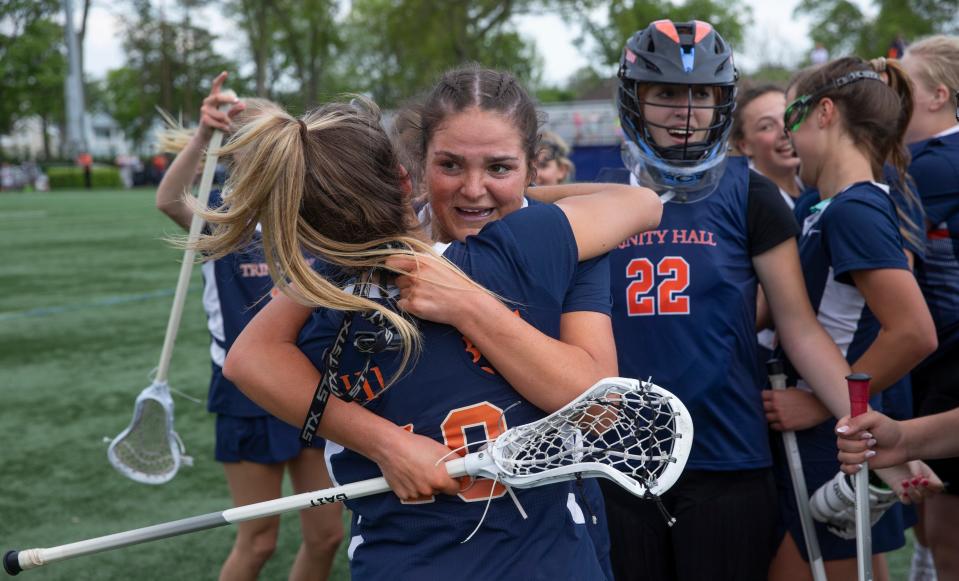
{"x": 778, "y": 381}
{"x": 186, "y": 267}
{"x": 858, "y": 404}
{"x": 16, "y": 561}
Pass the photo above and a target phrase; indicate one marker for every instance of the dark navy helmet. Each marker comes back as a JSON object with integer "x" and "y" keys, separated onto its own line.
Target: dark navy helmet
{"x": 688, "y": 57}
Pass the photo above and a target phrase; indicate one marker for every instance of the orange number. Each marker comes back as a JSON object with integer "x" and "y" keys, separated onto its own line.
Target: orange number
{"x": 674, "y": 279}
{"x": 670, "y": 301}
{"x": 486, "y": 416}
{"x": 637, "y": 305}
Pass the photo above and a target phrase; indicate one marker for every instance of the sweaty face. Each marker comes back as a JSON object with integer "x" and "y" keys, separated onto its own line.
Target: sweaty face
{"x": 764, "y": 138}
{"x": 548, "y": 171}
{"x": 476, "y": 172}
{"x": 677, "y": 114}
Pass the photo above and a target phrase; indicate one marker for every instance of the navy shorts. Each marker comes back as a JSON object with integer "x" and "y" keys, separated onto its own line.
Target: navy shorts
{"x": 261, "y": 439}
{"x": 817, "y": 448}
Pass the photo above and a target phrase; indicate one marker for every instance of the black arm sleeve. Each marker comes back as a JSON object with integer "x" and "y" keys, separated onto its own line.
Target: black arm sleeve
{"x": 768, "y": 219}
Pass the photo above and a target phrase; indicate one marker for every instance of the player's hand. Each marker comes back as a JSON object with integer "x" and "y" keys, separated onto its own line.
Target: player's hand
{"x": 912, "y": 482}
{"x": 210, "y": 115}
{"x": 433, "y": 291}
{"x": 870, "y": 437}
{"x": 790, "y": 410}
{"x": 410, "y": 466}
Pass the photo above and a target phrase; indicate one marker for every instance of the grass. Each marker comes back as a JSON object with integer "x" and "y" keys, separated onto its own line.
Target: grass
{"x": 87, "y": 286}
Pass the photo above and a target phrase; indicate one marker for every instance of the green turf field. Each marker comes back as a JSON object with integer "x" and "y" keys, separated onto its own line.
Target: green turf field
{"x": 87, "y": 283}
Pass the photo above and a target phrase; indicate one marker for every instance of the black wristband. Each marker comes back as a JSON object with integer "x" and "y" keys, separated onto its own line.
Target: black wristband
{"x": 313, "y": 417}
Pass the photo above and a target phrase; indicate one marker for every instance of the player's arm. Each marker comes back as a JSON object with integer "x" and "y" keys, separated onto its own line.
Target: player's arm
{"x": 908, "y": 333}
{"x": 266, "y": 364}
{"x": 546, "y": 371}
{"x": 603, "y": 215}
{"x": 810, "y": 349}
{"x": 181, "y": 173}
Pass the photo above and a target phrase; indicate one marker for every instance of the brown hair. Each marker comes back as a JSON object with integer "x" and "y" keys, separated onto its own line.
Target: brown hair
{"x": 875, "y": 115}
{"x": 326, "y": 185}
{"x": 746, "y": 97}
{"x": 488, "y": 90}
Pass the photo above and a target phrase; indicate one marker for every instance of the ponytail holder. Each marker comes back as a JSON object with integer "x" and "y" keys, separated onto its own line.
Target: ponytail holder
{"x": 878, "y": 64}
{"x": 304, "y": 132}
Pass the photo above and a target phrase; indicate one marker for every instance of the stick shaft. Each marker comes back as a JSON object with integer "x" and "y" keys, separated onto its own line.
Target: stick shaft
{"x": 777, "y": 380}
{"x": 858, "y": 404}
{"x": 16, "y": 561}
{"x": 186, "y": 267}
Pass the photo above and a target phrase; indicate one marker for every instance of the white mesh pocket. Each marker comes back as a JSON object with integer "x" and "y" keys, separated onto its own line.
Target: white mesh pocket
{"x": 148, "y": 450}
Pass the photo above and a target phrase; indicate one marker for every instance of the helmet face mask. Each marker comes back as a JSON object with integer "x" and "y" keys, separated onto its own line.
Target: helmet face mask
{"x": 676, "y": 98}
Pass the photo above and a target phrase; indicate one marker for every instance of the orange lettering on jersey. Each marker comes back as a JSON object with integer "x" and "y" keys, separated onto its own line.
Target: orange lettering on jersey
{"x": 487, "y": 416}
{"x": 475, "y": 353}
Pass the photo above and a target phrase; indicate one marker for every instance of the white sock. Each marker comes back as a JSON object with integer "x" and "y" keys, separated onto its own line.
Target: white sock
{"x": 922, "y": 567}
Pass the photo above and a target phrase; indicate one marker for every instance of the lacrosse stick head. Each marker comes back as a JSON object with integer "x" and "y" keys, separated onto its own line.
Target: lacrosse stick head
{"x": 634, "y": 433}
{"x": 148, "y": 450}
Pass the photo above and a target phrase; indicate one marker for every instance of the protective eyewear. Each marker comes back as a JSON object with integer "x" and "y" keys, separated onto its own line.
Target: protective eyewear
{"x": 797, "y": 111}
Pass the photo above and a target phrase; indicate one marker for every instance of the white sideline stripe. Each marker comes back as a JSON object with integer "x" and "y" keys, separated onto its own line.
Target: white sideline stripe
{"x": 574, "y": 509}
{"x": 214, "y": 314}
{"x": 354, "y": 543}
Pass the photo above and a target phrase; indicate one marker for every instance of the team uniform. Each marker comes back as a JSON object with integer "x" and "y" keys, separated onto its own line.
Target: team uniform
{"x": 857, "y": 229}
{"x": 452, "y": 394}
{"x": 235, "y": 288}
{"x": 935, "y": 168}
{"x": 684, "y": 312}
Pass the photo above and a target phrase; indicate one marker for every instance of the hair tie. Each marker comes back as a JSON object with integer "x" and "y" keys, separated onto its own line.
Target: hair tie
{"x": 878, "y": 64}
{"x": 304, "y": 132}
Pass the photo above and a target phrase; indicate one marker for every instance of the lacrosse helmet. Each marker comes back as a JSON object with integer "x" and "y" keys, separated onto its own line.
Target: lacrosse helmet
{"x": 688, "y": 57}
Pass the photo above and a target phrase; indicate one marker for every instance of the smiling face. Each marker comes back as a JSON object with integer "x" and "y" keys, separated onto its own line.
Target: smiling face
{"x": 764, "y": 139}
{"x": 677, "y": 114}
{"x": 476, "y": 172}
{"x": 549, "y": 172}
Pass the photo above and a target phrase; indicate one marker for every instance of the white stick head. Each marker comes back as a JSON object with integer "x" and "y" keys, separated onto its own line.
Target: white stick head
{"x": 634, "y": 433}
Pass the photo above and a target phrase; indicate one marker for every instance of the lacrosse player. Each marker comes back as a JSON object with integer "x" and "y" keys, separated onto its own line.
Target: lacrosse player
{"x": 255, "y": 448}
{"x": 333, "y": 182}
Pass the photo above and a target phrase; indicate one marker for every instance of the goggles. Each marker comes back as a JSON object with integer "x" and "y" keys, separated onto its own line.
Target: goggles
{"x": 797, "y": 111}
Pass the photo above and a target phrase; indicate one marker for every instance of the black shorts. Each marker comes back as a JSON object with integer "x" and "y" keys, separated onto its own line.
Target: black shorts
{"x": 936, "y": 389}
{"x": 725, "y": 528}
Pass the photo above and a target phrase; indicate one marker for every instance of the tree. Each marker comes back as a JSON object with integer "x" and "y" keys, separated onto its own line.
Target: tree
{"x": 398, "y": 47}
{"x": 169, "y": 64}
{"x": 32, "y": 66}
{"x": 625, "y": 17}
{"x": 843, "y": 28}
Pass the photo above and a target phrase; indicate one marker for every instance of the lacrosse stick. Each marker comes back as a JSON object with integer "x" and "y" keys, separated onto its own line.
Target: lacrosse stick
{"x": 777, "y": 379}
{"x": 634, "y": 433}
{"x": 149, "y": 450}
{"x": 858, "y": 404}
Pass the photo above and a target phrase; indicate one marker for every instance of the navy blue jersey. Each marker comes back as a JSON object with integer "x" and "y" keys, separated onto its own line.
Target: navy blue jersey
{"x": 855, "y": 230}
{"x": 453, "y": 395}
{"x": 684, "y": 312}
{"x": 935, "y": 169}
{"x": 235, "y": 288}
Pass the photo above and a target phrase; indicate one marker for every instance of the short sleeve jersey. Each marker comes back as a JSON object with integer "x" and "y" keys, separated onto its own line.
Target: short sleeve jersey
{"x": 684, "y": 312}
{"x": 453, "y": 395}
{"x": 235, "y": 288}
{"x": 855, "y": 230}
{"x": 935, "y": 169}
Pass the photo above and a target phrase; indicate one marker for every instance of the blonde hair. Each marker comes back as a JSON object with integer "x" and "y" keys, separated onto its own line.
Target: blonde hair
{"x": 175, "y": 137}
{"x": 938, "y": 63}
{"x": 327, "y": 185}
